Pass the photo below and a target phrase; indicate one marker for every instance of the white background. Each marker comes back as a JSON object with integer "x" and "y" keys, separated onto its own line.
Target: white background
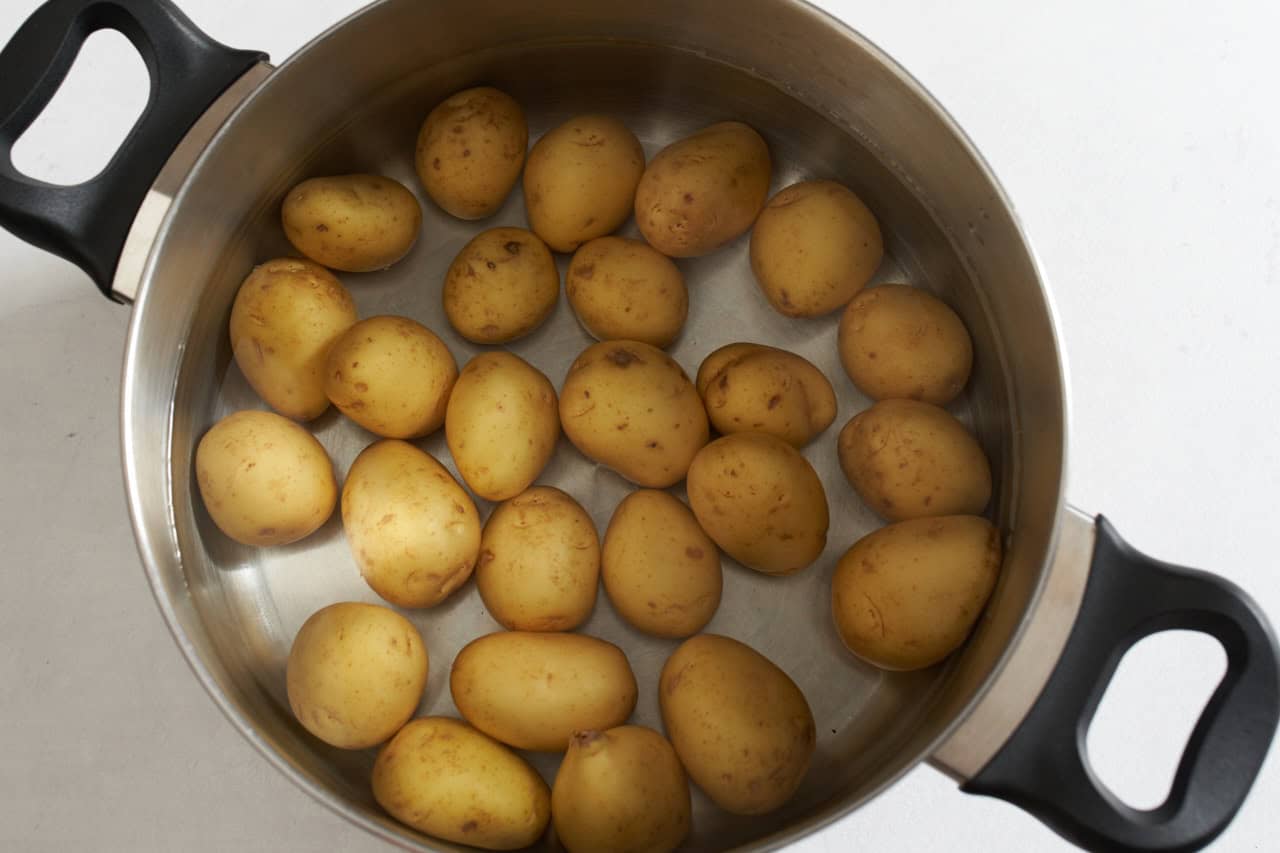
{"x": 1141, "y": 144}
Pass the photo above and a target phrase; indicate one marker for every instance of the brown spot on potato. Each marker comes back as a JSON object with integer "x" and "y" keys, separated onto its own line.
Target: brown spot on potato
{"x": 693, "y": 552}
{"x": 362, "y": 386}
{"x": 622, "y": 357}
{"x": 466, "y": 152}
{"x": 585, "y": 271}
{"x": 491, "y": 265}
{"x": 774, "y": 401}
{"x": 512, "y": 247}
{"x": 469, "y": 826}
{"x": 321, "y": 227}
{"x": 486, "y": 557}
{"x": 435, "y": 164}
{"x": 267, "y": 531}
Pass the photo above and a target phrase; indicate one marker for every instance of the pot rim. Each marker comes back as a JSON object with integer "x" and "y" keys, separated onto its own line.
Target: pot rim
{"x": 155, "y": 550}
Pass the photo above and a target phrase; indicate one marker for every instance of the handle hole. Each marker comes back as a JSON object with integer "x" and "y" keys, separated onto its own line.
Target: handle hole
{"x": 1146, "y": 715}
{"x": 98, "y": 103}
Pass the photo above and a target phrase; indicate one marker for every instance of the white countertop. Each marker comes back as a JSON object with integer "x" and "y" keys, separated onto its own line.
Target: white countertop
{"x": 1141, "y": 143}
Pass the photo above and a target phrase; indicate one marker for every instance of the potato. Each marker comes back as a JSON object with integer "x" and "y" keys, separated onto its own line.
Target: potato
{"x": 355, "y": 223}
{"x": 755, "y": 388}
{"x": 501, "y": 425}
{"x": 580, "y": 182}
{"x": 264, "y": 479}
{"x": 897, "y": 341}
{"x": 908, "y": 459}
{"x": 661, "y": 571}
{"x": 414, "y": 532}
{"x": 392, "y": 376}
{"x": 624, "y": 290}
{"x": 444, "y": 778}
{"x": 701, "y": 192}
{"x": 620, "y": 791}
{"x": 814, "y": 247}
{"x": 533, "y": 691}
{"x": 907, "y": 595}
{"x": 470, "y": 150}
{"x": 287, "y": 314}
{"x": 501, "y": 286}
{"x": 355, "y": 674}
{"x": 539, "y": 562}
{"x": 760, "y": 501}
{"x": 629, "y": 406}
{"x": 741, "y": 727}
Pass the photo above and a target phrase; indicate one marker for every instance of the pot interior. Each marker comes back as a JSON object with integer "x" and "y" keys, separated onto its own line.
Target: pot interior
{"x": 346, "y": 106}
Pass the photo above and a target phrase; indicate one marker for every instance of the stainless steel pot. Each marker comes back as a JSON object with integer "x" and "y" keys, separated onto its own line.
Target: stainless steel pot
{"x": 190, "y": 203}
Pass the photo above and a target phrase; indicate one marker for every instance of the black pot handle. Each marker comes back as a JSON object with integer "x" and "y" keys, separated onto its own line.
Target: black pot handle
{"x": 1043, "y": 767}
{"x": 87, "y": 223}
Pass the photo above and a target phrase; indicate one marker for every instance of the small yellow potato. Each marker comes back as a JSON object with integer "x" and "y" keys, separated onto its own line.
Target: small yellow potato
{"x": 621, "y": 791}
{"x": 660, "y": 569}
{"x": 760, "y": 501}
{"x": 264, "y": 479}
{"x": 630, "y": 406}
{"x": 907, "y": 595}
{"x": 756, "y": 388}
{"x": 741, "y": 727}
{"x": 625, "y": 290}
{"x": 897, "y": 341}
{"x": 470, "y": 151}
{"x": 414, "y": 532}
{"x": 444, "y": 778}
{"x": 580, "y": 181}
{"x": 539, "y": 562}
{"x": 392, "y": 376}
{"x": 701, "y": 192}
{"x": 354, "y": 223}
{"x": 534, "y": 690}
{"x": 908, "y": 459}
{"x": 287, "y": 314}
{"x": 501, "y": 286}
{"x": 356, "y": 674}
{"x": 814, "y": 247}
{"x": 501, "y": 425}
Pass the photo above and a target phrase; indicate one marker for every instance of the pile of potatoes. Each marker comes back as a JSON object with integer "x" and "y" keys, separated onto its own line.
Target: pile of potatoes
{"x": 903, "y": 597}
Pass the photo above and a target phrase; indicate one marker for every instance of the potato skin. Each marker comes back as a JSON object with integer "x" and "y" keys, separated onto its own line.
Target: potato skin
{"x": 620, "y": 791}
{"x": 630, "y": 406}
{"x": 624, "y": 289}
{"x": 906, "y": 596}
{"x": 286, "y": 315}
{"x": 539, "y": 562}
{"x": 392, "y": 376}
{"x": 660, "y": 569}
{"x": 470, "y": 150}
{"x": 501, "y": 286}
{"x": 580, "y": 181}
{"x": 502, "y": 424}
{"x": 760, "y": 501}
{"x": 741, "y": 726}
{"x": 444, "y": 778}
{"x": 896, "y": 341}
{"x": 354, "y": 223}
{"x": 264, "y": 480}
{"x": 356, "y": 674}
{"x": 814, "y": 247}
{"x": 414, "y": 532}
{"x": 756, "y": 388}
{"x": 908, "y": 459}
{"x": 701, "y": 192}
{"x": 534, "y": 690}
